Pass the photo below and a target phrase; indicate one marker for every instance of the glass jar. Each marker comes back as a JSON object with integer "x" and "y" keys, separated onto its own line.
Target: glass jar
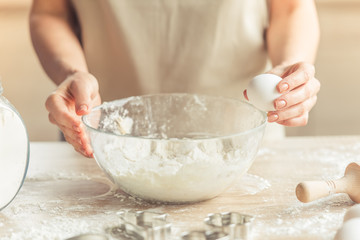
{"x": 14, "y": 151}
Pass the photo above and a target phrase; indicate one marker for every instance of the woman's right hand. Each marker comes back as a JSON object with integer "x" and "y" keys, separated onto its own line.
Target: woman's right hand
{"x": 74, "y": 97}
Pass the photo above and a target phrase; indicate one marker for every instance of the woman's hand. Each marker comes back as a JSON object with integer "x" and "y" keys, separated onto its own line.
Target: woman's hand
{"x": 74, "y": 97}
{"x": 299, "y": 88}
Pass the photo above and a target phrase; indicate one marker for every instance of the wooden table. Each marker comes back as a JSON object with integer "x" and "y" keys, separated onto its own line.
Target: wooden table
{"x": 66, "y": 194}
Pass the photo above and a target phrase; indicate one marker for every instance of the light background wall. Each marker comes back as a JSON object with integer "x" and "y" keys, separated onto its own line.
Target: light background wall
{"x": 337, "y": 111}
{"x": 338, "y": 68}
{"x": 24, "y": 82}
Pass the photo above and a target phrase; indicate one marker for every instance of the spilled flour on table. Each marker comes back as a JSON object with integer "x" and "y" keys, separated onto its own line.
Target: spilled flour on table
{"x": 318, "y": 218}
{"x": 90, "y": 211}
{"x": 303, "y": 219}
{"x": 249, "y": 184}
{"x": 94, "y": 208}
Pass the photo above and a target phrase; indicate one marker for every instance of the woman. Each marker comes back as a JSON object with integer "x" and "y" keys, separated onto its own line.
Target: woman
{"x": 133, "y": 47}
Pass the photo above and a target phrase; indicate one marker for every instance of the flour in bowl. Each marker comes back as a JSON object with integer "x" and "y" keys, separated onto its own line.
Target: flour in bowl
{"x": 175, "y": 147}
{"x": 173, "y": 170}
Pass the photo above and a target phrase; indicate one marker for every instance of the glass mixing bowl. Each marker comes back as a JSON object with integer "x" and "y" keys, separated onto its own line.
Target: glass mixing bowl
{"x": 14, "y": 151}
{"x": 175, "y": 148}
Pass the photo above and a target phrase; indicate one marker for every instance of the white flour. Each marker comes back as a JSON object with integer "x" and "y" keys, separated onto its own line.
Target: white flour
{"x": 300, "y": 219}
{"x": 13, "y": 153}
{"x": 173, "y": 170}
{"x": 159, "y": 160}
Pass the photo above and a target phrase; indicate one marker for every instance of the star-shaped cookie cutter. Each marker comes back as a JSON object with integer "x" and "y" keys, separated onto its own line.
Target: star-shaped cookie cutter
{"x": 204, "y": 235}
{"x": 236, "y": 225}
{"x": 141, "y": 225}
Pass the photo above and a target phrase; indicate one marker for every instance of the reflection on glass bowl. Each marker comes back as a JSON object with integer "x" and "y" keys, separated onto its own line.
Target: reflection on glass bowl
{"x": 175, "y": 148}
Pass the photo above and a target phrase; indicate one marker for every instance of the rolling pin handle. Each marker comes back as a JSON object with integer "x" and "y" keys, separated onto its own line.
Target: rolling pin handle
{"x": 312, "y": 190}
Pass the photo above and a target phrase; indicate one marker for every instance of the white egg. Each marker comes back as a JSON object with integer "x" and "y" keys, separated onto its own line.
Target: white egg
{"x": 353, "y": 212}
{"x": 262, "y": 91}
{"x": 350, "y": 230}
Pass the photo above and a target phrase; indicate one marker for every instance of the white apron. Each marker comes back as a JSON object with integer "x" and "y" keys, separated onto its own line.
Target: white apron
{"x": 136, "y": 47}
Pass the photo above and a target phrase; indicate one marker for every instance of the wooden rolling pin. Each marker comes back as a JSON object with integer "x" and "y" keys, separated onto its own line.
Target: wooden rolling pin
{"x": 311, "y": 190}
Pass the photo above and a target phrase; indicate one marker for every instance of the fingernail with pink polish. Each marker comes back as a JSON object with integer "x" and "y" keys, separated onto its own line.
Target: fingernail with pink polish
{"x": 280, "y": 104}
{"x": 273, "y": 117}
{"x": 83, "y": 108}
{"x": 283, "y": 87}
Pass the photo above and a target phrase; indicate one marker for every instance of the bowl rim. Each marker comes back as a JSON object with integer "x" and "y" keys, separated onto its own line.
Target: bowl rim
{"x": 262, "y": 125}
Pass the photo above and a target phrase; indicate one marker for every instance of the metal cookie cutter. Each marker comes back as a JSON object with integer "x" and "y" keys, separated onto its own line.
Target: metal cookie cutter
{"x": 205, "y": 235}
{"x": 141, "y": 225}
{"x": 236, "y": 225}
{"x": 89, "y": 236}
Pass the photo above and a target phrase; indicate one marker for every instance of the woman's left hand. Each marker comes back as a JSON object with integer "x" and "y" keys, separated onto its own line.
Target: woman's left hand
{"x": 299, "y": 89}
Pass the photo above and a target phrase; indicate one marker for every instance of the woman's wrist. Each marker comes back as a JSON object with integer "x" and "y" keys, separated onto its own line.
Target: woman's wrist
{"x": 67, "y": 71}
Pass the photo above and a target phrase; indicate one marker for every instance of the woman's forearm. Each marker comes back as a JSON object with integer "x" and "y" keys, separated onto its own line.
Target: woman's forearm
{"x": 293, "y": 33}
{"x": 54, "y": 39}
